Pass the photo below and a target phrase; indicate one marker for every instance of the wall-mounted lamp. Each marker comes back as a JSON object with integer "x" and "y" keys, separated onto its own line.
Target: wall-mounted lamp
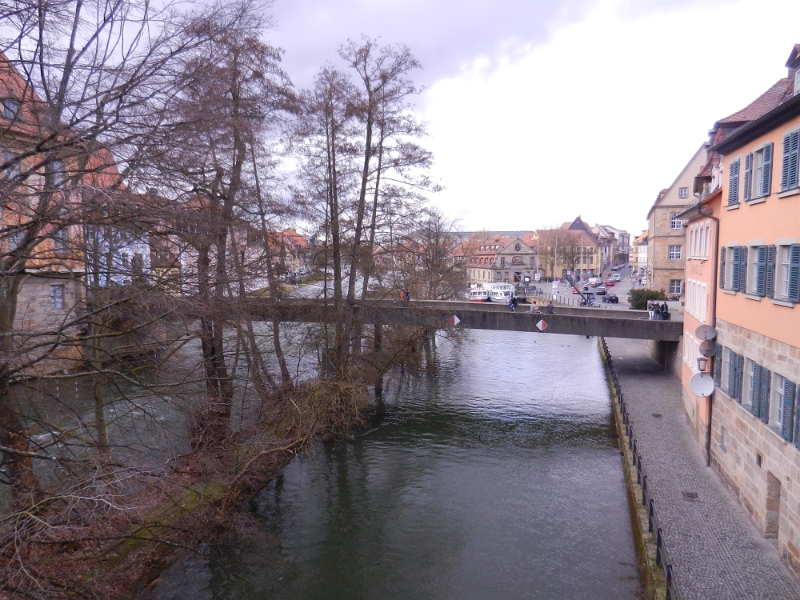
{"x": 702, "y": 363}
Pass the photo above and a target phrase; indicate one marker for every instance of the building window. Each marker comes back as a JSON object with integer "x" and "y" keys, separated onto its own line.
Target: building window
{"x": 733, "y": 268}
{"x": 60, "y": 240}
{"x": 57, "y": 297}
{"x": 733, "y": 183}
{"x": 758, "y": 173}
{"x": 674, "y": 252}
{"x": 776, "y": 414}
{"x": 58, "y": 172}
{"x": 498, "y": 275}
{"x": 674, "y": 286}
{"x": 674, "y": 221}
{"x": 734, "y": 374}
{"x": 12, "y": 165}
{"x": 502, "y": 261}
{"x": 10, "y": 109}
{"x": 683, "y": 192}
{"x": 15, "y": 239}
{"x": 791, "y": 146}
{"x": 750, "y": 382}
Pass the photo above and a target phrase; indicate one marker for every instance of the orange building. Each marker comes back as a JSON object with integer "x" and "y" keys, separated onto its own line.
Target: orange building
{"x": 755, "y": 418}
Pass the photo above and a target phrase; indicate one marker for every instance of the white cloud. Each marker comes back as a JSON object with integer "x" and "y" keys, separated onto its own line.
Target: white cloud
{"x": 603, "y": 116}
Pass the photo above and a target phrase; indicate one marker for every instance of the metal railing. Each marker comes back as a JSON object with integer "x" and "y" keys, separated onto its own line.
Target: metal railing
{"x": 653, "y": 525}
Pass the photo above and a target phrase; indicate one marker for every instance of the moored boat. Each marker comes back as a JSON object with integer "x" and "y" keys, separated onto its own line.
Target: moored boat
{"x": 477, "y": 295}
{"x": 501, "y": 292}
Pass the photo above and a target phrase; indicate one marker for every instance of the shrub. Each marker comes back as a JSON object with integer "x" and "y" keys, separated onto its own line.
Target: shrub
{"x": 638, "y": 299}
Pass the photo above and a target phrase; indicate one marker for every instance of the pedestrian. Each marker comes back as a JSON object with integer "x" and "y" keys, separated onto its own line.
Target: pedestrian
{"x": 534, "y": 306}
{"x": 406, "y": 297}
{"x": 650, "y": 310}
{"x": 550, "y": 310}
{"x": 403, "y": 296}
{"x": 665, "y": 312}
{"x": 512, "y": 304}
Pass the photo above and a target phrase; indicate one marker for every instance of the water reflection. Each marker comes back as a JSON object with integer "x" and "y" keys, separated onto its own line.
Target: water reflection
{"x": 497, "y": 478}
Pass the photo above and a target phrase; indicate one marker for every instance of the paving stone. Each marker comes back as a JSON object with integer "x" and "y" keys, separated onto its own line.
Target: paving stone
{"x": 715, "y": 549}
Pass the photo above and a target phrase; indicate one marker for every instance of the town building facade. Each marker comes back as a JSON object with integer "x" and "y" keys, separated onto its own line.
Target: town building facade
{"x": 747, "y": 279}
{"x": 665, "y": 234}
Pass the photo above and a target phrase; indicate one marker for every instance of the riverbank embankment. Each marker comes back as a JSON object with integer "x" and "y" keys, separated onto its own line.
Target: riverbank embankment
{"x": 714, "y": 548}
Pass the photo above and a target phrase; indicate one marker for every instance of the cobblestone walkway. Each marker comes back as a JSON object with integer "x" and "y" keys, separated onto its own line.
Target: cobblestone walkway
{"x": 715, "y": 549}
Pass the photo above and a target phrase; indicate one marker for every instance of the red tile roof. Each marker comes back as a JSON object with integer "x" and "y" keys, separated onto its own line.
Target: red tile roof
{"x": 773, "y": 97}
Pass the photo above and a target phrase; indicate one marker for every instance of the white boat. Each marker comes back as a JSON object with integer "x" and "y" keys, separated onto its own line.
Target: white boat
{"x": 477, "y": 295}
{"x": 501, "y": 292}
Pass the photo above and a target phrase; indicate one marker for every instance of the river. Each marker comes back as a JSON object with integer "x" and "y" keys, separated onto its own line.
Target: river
{"x": 497, "y": 477}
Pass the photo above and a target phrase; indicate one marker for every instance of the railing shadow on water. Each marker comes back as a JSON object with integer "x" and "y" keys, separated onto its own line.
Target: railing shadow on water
{"x": 662, "y": 554}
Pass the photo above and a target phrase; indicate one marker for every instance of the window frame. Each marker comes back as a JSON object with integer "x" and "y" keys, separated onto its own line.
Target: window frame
{"x": 10, "y": 107}
{"x": 57, "y": 297}
{"x": 674, "y": 220}
{"x": 670, "y": 252}
{"x": 13, "y": 172}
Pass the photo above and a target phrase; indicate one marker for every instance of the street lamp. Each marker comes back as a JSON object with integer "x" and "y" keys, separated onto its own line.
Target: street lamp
{"x": 702, "y": 363}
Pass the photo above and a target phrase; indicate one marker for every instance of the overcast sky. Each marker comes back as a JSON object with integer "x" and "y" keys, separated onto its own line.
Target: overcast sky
{"x": 540, "y": 111}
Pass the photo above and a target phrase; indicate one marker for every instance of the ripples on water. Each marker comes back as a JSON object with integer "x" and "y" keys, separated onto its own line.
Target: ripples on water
{"x": 497, "y": 478}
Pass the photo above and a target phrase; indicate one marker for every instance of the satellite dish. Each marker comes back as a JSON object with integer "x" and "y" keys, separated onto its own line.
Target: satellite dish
{"x": 701, "y": 384}
{"x": 705, "y": 332}
{"x": 707, "y": 348}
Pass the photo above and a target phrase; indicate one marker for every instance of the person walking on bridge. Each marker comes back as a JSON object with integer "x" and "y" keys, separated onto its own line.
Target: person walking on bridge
{"x": 550, "y": 310}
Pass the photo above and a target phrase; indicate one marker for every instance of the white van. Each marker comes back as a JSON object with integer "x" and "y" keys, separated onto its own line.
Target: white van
{"x": 595, "y": 281}
{"x": 616, "y": 277}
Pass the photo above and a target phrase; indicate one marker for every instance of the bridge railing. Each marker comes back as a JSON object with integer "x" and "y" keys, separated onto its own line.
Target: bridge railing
{"x": 662, "y": 553}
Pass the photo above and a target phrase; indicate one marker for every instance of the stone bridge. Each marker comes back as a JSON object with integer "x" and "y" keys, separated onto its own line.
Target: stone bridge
{"x": 437, "y": 314}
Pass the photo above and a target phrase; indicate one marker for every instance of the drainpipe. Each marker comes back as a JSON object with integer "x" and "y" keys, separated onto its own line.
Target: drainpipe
{"x": 713, "y": 324}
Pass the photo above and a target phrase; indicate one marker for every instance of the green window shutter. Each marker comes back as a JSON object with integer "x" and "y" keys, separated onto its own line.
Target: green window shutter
{"x": 742, "y": 268}
{"x": 739, "y": 377}
{"x": 763, "y": 405}
{"x": 789, "y": 165}
{"x": 732, "y": 374}
{"x": 722, "y": 268}
{"x": 733, "y": 183}
{"x": 717, "y": 365}
{"x": 785, "y": 164}
{"x": 789, "y": 390}
{"x": 769, "y": 288}
{"x": 735, "y": 252}
{"x": 794, "y": 273}
{"x": 755, "y": 393}
{"x": 748, "y": 175}
{"x": 761, "y": 271}
{"x": 766, "y": 174}
{"x": 796, "y": 416}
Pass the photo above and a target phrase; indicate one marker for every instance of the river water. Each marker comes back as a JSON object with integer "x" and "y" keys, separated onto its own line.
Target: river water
{"x": 497, "y": 477}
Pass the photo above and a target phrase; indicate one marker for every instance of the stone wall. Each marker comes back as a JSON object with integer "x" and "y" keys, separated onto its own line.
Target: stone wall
{"x": 760, "y": 466}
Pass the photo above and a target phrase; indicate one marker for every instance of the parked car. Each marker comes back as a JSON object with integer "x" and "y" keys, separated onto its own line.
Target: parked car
{"x": 611, "y": 299}
{"x": 616, "y": 277}
{"x": 601, "y": 291}
{"x": 610, "y": 283}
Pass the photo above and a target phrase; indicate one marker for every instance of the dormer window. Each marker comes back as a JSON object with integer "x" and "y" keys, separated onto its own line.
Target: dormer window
{"x": 10, "y": 109}
{"x": 796, "y": 83}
